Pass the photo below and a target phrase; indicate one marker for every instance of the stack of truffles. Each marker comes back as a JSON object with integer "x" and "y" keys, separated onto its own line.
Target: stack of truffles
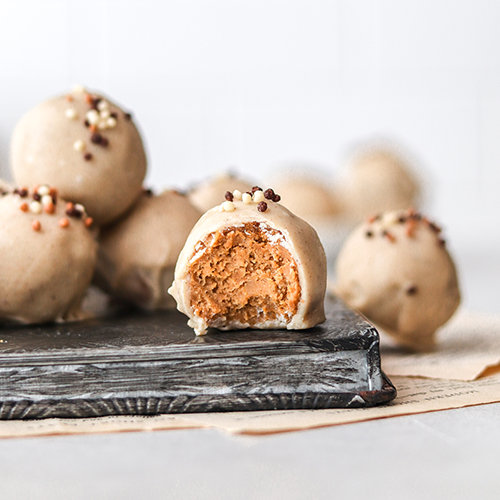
{"x": 80, "y": 209}
{"x": 79, "y": 214}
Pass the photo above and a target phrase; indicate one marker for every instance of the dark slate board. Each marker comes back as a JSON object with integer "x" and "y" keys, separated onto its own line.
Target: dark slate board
{"x": 137, "y": 363}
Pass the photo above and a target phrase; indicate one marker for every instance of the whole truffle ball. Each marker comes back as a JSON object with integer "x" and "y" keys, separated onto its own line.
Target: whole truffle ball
{"x": 47, "y": 256}
{"x": 378, "y": 180}
{"x": 207, "y": 194}
{"x": 137, "y": 254}
{"x": 309, "y": 199}
{"x": 396, "y": 270}
{"x": 87, "y": 146}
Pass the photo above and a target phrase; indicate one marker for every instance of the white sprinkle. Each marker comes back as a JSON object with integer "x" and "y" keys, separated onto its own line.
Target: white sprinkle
{"x": 221, "y": 207}
{"x": 237, "y": 194}
{"x": 79, "y": 145}
{"x": 43, "y": 190}
{"x": 102, "y": 125}
{"x": 71, "y": 113}
{"x": 35, "y": 207}
{"x": 258, "y": 196}
{"x": 92, "y": 116}
{"x": 228, "y": 206}
{"x": 78, "y": 89}
{"x": 102, "y": 105}
{"x": 247, "y": 198}
{"x": 79, "y": 207}
{"x": 391, "y": 217}
{"x": 111, "y": 122}
{"x": 105, "y": 113}
{"x": 46, "y": 200}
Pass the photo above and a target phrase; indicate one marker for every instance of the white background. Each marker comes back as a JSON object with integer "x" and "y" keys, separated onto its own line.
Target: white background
{"x": 257, "y": 84}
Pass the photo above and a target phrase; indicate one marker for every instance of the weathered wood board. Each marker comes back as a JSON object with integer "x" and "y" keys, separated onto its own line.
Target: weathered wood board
{"x": 137, "y": 363}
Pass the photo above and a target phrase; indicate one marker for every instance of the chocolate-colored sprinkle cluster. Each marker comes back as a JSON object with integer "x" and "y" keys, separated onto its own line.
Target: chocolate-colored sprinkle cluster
{"x": 99, "y": 117}
{"x": 410, "y": 219}
{"x": 44, "y": 199}
{"x": 255, "y": 195}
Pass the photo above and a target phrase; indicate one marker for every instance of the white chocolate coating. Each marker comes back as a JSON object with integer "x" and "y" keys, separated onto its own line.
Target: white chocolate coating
{"x": 404, "y": 280}
{"x": 301, "y": 241}
{"x": 44, "y": 273}
{"x": 49, "y": 145}
{"x": 137, "y": 254}
{"x": 209, "y": 193}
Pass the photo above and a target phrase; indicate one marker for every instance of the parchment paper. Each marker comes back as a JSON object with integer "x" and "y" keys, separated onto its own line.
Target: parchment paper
{"x": 467, "y": 346}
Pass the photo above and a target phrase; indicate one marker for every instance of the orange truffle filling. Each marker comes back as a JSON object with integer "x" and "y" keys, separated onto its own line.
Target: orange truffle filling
{"x": 243, "y": 275}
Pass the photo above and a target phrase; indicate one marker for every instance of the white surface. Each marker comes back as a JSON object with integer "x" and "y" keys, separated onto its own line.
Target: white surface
{"x": 256, "y": 84}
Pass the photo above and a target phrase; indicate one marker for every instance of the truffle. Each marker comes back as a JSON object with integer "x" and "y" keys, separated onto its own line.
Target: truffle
{"x": 396, "y": 270}
{"x": 309, "y": 199}
{"x": 207, "y": 194}
{"x": 137, "y": 254}
{"x": 251, "y": 263}
{"x": 48, "y": 255}
{"x": 378, "y": 180}
{"x": 87, "y": 146}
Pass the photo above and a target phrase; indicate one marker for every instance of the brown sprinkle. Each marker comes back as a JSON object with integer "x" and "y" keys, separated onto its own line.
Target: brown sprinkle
{"x": 256, "y": 188}
{"x": 389, "y": 236}
{"x": 36, "y": 225}
{"x": 87, "y": 156}
{"x": 86, "y": 123}
{"x": 368, "y": 234}
{"x": 96, "y": 138}
{"x": 53, "y": 194}
{"x": 127, "y": 116}
{"x": 411, "y": 290}
{"x": 276, "y": 198}
{"x": 74, "y": 212}
{"x": 229, "y": 196}
{"x": 36, "y": 197}
{"x": 269, "y": 194}
{"x": 262, "y": 206}
{"x": 64, "y": 222}
{"x": 434, "y": 227}
{"x": 104, "y": 142}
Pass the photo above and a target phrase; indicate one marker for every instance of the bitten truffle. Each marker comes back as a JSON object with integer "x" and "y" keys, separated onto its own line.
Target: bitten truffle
{"x": 47, "y": 255}
{"x": 87, "y": 146}
{"x": 396, "y": 270}
{"x": 137, "y": 254}
{"x": 251, "y": 263}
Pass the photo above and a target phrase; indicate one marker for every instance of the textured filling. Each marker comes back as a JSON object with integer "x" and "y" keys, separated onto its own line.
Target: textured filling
{"x": 243, "y": 275}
